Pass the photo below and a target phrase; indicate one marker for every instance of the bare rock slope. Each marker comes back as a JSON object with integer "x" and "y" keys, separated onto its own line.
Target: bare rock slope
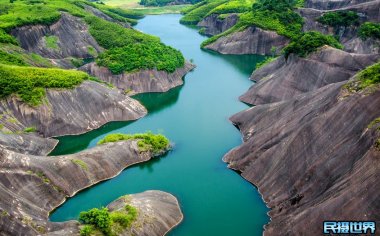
{"x": 141, "y": 81}
{"x": 213, "y": 25}
{"x": 72, "y": 111}
{"x": 284, "y": 79}
{"x": 32, "y": 186}
{"x": 252, "y": 40}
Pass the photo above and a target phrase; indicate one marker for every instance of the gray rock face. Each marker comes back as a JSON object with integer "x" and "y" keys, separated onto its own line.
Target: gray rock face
{"x": 142, "y": 81}
{"x": 312, "y": 158}
{"x": 73, "y": 39}
{"x": 333, "y": 4}
{"x": 213, "y": 25}
{"x": 32, "y": 186}
{"x": 73, "y": 111}
{"x": 159, "y": 212}
{"x": 252, "y": 40}
{"x": 27, "y": 143}
{"x": 284, "y": 79}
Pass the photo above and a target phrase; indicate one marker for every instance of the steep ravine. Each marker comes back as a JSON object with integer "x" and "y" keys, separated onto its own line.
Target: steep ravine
{"x": 313, "y": 155}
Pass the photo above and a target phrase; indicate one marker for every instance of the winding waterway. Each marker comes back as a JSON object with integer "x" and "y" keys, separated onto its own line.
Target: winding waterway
{"x": 214, "y": 199}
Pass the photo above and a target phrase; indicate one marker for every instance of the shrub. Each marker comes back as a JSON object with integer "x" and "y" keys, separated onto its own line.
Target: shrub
{"x": 86, "y": 230}
{"x": 265, "y": 62}
{"x": 100, "y": 218}
{"x": 155, "y": 143}
{"x": 29, "y": 83}
{"x": 310, "y": 42}
{"x": 125, "y": 219}
{"x": 6, "y": 38}
{"x": 369, "y": 30}
{"x": 339, "y": 18}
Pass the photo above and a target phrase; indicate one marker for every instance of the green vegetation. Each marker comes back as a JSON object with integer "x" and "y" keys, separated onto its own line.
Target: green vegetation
{"x": 310, "y": 42}
{"x": 51, "y": 42}
{"x": 6, "y": 38}
{"x": 163, "y": 2}
{"x": 29, "y": 83}
{"x": 370, "y": 76}
{"x": 272, "y": 15}
{"x": 374, "y": 123}
{"x": 200, "y": 10}
{"x": 155, "y": 143}
{"x": 129, "y": 50}
{"x": 30, "y": 129}
{"x": 170, "y": 9}
{"x": 77, "y": 62}
{"x": 107, "y": 223}
{"x": 80, "y": 163}
{"x": 339, "y": 18}
{"x": 265, "y": 62}
{"x": 87, "y": 230}
{"x": 235, "y": 6}
{"x": 369, "y": 30}
{"x": 11, "y": 59}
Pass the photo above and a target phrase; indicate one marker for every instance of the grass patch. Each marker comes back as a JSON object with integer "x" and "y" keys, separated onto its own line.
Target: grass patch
{"x": 196, "y": 14}
{"x": 11, "y": 59}
{"x": 108, "y": 223}
{"x": 155, "y": 143}
{"x": 7, "y": 38}
{"x": 310, "y": 42}
{"x": 265, "y": 62}
{"x": 29, "y": 83}
{"x": 369, "y": 30}
{"x": 30, "y": 130}
{"x": 80, "y": 163}
{"x": 370, "y": 76}
{"x": 235, "y": 6}
{"x": 51, "y": 42}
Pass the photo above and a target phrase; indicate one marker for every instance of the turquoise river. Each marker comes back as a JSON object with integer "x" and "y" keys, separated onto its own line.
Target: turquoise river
{"x": 214, "y": 199}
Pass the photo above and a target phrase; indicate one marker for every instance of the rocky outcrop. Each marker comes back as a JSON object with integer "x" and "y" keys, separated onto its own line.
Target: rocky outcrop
{"x": 159, "y": 212}
{"x": 32, "y": 186}
{"x": 27, "y": 143}
{"x": 71, "y": 36}
{"x": 313, "y": 158}
{"x": 141, "y": 81}
{"x": 72, "y": 111}
{"x": 252, "y": 40}
{"x": 213, "y": 24}
{"x": 348, "y": 36}
{"x": 284, "y": 79}
{"x": 332, "y": 4}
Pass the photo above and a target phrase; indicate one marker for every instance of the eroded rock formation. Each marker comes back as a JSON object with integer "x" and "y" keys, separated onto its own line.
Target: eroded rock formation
{"x": 252, "y": 40}
{"x": 71, "y": 111}
{"x": 141, "y": 81}
{"x": 284, "y": 79}
{"x": 213, "y": 25}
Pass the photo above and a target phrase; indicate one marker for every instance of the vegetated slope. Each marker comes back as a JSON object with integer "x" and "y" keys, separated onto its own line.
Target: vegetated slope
{"x": 266, "y": 26}
{"x": 38, "y": 184}
{"x": 160, "y": 3}
{"x": 314, "y": 157}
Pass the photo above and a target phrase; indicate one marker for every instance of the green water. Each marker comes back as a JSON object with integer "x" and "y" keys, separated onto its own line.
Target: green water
{"x": 215, "y": 200}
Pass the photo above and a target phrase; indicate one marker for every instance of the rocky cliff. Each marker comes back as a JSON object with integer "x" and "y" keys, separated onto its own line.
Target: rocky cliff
{"x": 74, "y": 111}
{"x": 70, "y": 34}
{"x": 284, "y": 79}
{"x": 333, "y": 4}
{"x": 313, "y": 158}
{"x": 27, "y": 143}
{"x": 213, "y": 24}
{"x": 141, "y": 81}
{"x": 32, "y": 186}
{"x": 252, "y": 40}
